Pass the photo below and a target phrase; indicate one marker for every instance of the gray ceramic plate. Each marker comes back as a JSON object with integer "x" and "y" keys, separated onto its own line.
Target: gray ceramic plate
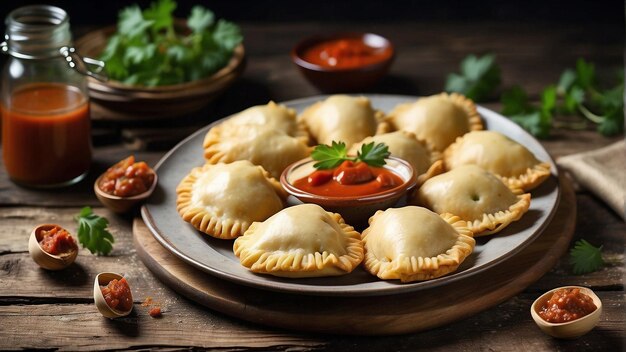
{"x": 216, "y": 257}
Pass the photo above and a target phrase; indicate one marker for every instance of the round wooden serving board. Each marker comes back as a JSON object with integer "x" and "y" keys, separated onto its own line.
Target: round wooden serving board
{"x": 378, "y": 315}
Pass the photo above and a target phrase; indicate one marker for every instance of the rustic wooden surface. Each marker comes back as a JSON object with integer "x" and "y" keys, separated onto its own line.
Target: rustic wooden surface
{"x": 54, "y": 310}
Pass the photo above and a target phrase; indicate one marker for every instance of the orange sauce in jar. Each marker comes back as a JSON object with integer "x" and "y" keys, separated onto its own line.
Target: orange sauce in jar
{"x": 349, "y": 179}
{"x": 346, "y": 53}
{"x": 46, "y": 135}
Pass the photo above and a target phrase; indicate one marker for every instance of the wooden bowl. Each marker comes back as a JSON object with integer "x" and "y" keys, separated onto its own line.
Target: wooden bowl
{"x": 116, "y": 101}
{"x": 571, "y": 329}
{"x": 122, "y": 204}
{"x": 338, "y": 79}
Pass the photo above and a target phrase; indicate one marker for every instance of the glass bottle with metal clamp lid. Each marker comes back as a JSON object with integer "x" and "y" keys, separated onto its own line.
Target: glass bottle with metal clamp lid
{"x": 46, "y": 128}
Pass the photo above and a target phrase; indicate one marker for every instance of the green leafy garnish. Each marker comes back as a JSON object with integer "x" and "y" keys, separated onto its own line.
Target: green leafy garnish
{"x": 147, "y": 50}
{"x": 92, "y": 232}
{"x": 585, "y": 258}
{"x": 479, "y": 77}
{"x": 328, "y": 157}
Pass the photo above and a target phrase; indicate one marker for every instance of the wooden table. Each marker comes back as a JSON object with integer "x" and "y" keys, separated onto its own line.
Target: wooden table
{"x": 55, "y": 310}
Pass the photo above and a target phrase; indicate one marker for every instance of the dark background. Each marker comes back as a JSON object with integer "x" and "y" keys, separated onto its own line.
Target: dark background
{"x": 584, "y": 12}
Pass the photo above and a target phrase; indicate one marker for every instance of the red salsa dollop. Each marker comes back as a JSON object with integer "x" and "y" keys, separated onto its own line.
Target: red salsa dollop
{"x": 349, "y": 179}
{"x": 127, "y": 178}
{"x": 117, "y": 294}
{"x": 565, "y": 305}
{"x": 345, "y": 53}
{"x": 57, "y": 241}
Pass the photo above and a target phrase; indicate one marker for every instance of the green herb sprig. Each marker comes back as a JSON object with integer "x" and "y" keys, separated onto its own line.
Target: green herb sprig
{"x": 585, "y": 258}
{"x": 92, "y": 232}
{"x": 147, "y": 50}
{"x": 328, "y": 157}
{"x": 478, "y": 79}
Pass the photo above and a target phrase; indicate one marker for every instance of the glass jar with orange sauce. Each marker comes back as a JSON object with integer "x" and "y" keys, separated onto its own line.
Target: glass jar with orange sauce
{"x": 46, "y": 128}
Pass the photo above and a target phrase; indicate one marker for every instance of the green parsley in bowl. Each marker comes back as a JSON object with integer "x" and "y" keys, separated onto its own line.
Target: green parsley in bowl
{"x": 159, "y": 66}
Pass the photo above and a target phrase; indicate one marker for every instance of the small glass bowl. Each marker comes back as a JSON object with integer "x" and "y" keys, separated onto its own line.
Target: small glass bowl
{"x": 355, "y": 210}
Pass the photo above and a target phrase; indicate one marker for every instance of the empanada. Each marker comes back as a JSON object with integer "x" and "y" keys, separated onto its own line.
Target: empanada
{"x": 270, "y": 148}
{"x": 437, "y": 119}
{"x": 341, "y": 118}
{"x": 475, "y": 195}
{"x": 300, "y": 241}
{"x": 426, "y": 162}
{"x": 222, "y": 200}
{"x": 512, "y": 162}
{"x": 413, "y": 244}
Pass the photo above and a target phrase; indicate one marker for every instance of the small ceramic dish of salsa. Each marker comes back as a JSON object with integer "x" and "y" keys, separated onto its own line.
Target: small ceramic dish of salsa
{"x": 353, "y": 189}
{"x": 125, "y": 184}
{"x": 344, "y": 62}
{"x": 567, "y": 312}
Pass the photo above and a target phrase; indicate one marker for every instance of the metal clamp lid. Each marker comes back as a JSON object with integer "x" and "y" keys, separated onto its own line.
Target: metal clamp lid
{"x": 79, "y": 63}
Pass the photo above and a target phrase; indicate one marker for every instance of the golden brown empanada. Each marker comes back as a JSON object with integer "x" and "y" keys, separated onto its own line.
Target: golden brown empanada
{"x": 413, "y": 244}
{"x": 476, "y": 196}
{"x": 300, "y": 241}
{"x": 222, "y": 200}
{"x": 341, "y": 118}
{"x": 270, "y": 148}
{"x": 426, "y": 161}
{"x": 437, "y": 119}
{"x": 512, "y": 162}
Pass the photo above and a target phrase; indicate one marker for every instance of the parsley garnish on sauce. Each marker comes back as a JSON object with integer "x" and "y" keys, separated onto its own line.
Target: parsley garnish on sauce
{"x": 328, "y": 157}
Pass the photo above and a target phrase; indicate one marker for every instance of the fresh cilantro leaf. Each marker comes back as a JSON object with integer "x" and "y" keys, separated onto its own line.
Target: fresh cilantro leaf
{"x": 331, "y": 156}
{"x": 161, "y": 14}
{"x": 227, "y": 34}
{"x": 536, "y": 120}
{"x": 373, "y": 155}
{"x": 568, "y": 77}
{"x": 586, "y": 73}
{"x": 200, "y": 19}
{"x": 138, "y": 54}
{"x": 92, "y": 232}
{"x": 328, "y": 157}
{"x": 131, "y": 22}
{"x": 478, "y": 78}
{"x": 585, "y": 258}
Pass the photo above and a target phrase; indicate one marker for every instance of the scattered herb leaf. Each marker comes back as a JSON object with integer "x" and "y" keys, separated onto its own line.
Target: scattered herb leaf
{"x": 585, "y": 258}
{"x": 92, "y": 232}
{"x": 478, "y": 79}
{"x": 328, "y": 157}
{"x": 147, "y": 50}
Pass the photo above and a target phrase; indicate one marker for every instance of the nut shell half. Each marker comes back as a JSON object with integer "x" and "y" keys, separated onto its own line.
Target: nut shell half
{"x": 571, "y": 329}
{"x": 44, "y": 259}
{"x": 103, "y": 279}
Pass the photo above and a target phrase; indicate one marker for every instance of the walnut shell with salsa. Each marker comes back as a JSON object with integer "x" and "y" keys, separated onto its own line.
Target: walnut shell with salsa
{"x": 52, "y": 247}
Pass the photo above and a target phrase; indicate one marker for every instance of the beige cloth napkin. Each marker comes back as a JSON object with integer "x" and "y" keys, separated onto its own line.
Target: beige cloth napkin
{"x": 601, "y": 171}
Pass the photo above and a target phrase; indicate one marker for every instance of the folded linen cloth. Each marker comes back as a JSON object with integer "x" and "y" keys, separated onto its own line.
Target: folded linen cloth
{"x": 601, "y": 171}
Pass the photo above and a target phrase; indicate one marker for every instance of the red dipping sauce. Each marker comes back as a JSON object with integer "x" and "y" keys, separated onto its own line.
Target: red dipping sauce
{"x": 346, "y": 53}
{"x": 117, "y": 295}
{"x": 57, "y": 241}
{"x": 127, "y": 178}
{"x": 348, "y": 180}
{"x": 566, "y": 305}
{"x": 46, "y": 134}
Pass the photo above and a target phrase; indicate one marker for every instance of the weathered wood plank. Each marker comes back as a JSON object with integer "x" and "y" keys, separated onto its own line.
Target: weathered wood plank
{"x": 506, "y": 327}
